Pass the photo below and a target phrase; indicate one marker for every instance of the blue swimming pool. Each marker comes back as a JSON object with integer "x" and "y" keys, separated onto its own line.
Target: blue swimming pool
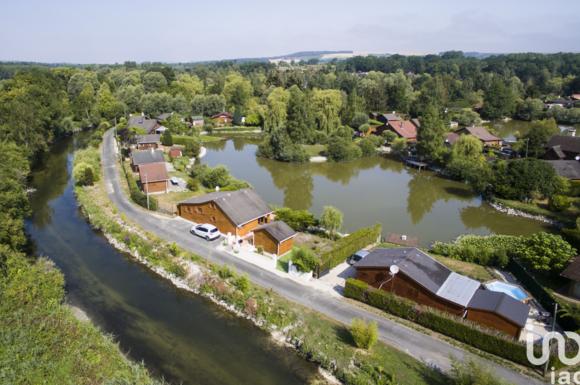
{"x": 513, "y": 291}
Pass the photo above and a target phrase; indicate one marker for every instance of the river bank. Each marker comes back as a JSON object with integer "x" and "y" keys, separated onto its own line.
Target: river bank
{"x": 313, "y": 337}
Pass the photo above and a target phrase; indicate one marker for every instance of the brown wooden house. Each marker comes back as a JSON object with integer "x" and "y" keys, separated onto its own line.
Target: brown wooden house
{"x": 139, "y": 158}
{"x": 235, "y": 212}
{"x": 427, "y": 282}
{"x": 143, "y": 124}
{"x": 146, "y": 142}
{"x": 275, "y": 237}
{"x": 481, "y": 133}
{"x": 223, "y": 118}
{"x": 153, "y": 178}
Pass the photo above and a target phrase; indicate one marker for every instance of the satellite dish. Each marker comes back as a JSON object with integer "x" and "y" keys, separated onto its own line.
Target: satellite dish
{"x": 394, "y": 269}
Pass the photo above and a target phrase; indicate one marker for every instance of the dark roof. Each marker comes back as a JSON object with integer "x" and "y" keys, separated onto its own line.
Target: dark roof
{"x": 142, "y": 122}
{"x": 452, "y": 137}
{"x": 426, "y": 271}
{"x": 558, "y": 151}
{"x": 153, "y": 172}
{"x": 149, "y": 138}
{"x": 279, "y": 230}
{"x": 502, "y": 304}
{"x": 164, "y": 116}
{"x": 147, "y": 156}
{"x": 573, "y": 270}
{"x": 197, "y": 117}
{"x": 566, "y": 143}
{"x": 481, "y": 133}
{"x": 413, "y": 262}
{"x": 566, "y": 168}
{"x": 240, "y": 206}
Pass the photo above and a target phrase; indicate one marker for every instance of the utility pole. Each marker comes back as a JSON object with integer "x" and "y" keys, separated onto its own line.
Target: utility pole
{"x": 146, "y": 190}
{"x": 527, "y": 145}
{"x": 550, "y": 342}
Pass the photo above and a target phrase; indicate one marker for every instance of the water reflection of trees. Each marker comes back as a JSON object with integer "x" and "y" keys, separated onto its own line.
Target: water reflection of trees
{"x": 426, "y": 188}
{"x": 50, "y": 182}
{"x": 484, "y": 216}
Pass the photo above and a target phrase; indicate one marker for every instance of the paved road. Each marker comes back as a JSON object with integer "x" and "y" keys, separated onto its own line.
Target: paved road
{"x": 425, "y": 348}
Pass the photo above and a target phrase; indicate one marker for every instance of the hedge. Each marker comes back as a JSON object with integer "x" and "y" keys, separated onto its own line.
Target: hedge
{"x": 135, "y": 192}
{"x": 449, "y": 325}
{"x": 346, "y": 246}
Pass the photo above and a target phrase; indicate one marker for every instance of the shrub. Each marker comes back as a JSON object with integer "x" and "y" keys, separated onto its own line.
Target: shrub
{"x": 470, "y": 373}
{"x": 544, "y": 252}
{"x": 212, "y": 177}
{"x": 299, "y": 220}
{"x": 364, "y": 334}
{"x": 398, "y": 146}
{"x": 304, "y": 259}
{"x": 136, "y": 194}
{"x": 242, "y": 283}
{"x": 84, "y": 174}
{"x": 559, "y": 202}
{"x": 192, "y": 148}
{"x": 340, "y": 149}
{"x": 192, "y": 184}
{"x": 359, "y": 119}
{"x": 224, "y": 272}
{"x": 368, "y": 146}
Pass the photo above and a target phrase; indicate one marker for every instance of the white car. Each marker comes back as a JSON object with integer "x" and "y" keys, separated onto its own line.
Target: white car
{"x": 207, "y": 231}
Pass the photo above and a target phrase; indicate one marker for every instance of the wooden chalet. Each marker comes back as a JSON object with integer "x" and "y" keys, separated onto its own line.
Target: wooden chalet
{"x": 154, "y": 178}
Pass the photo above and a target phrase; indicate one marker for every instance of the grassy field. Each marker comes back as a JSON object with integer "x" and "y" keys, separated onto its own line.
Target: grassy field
{"x": 314, "y": 149}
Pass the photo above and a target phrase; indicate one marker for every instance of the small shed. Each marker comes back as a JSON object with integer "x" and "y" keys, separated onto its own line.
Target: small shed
{"x": 275, "y": 237}
{"x": 154, "y": 178}
{"x": 175, "y": 152}
{"x": 145, "y": 142}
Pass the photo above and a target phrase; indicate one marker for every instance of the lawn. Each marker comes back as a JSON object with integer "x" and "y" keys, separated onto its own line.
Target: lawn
{"x": 312, "y": 242}
{"x": 209, "y": 138}
{"x": 314, "y": 149}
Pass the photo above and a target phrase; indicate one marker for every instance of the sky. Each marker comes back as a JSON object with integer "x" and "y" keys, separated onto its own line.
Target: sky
{"x": 108, "y": 31}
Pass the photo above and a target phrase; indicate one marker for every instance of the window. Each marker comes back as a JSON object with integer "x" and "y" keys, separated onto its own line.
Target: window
{"x": 262, "y": 220}
{"x": 198, "y": 210}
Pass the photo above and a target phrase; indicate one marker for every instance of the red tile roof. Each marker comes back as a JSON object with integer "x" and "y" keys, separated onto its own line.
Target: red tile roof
{"x": 404, "y": 128}
{"x": 152, "y": 172}
{"x": 175, "y": 153}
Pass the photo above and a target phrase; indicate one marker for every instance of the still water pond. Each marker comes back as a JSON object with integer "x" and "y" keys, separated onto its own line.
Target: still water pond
{"x": 182, "y": 337}
{"x": 370, "y": 190}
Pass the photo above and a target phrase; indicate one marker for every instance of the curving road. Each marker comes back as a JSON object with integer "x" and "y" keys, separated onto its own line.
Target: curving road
{"x": 423, "y": 347}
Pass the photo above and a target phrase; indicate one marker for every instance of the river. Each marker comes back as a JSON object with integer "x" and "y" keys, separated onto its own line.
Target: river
{"x": 180, "y": 336}
{"x": 368, "y": 191}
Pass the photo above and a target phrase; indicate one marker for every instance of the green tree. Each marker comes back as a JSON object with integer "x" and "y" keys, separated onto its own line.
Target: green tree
{"x": 299, "y": 220}
{"x": 304, "y": 259}
{"x": 192, "y": 148}
{"x": 524, "y": 179}
{"x": 108, "y": 106}
{"x": 544, "y": 252}
{"x": 208, "y": 105}
{"x": 331, "y": 219}
{"x": 187, "y": 85}
{"x": 300, "y": 120}
{"x": 237, "y": 90}
{"x": 399, "y": 146}
{"x": 467, "y": 162}
{"x": 467, "y": 117}
{"x": 364, "y": 334}
{"x": 279, "y": 146}
{"x": 340, "y": 149}
{"x": 499, "y": 100}
{"x": 277, "y": 109}
{"x": 154, "y": 82}
{"x": 84, "y": 174}
{"x": 431, "y": 136}
{"x": 167, "y": 138}
{"x": 530, "y": 109}
{"x": 533, "y": 143}
{"x": 326, "y": 106}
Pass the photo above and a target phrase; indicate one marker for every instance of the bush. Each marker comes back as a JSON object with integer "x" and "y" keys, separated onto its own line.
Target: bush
{"x": 340, "y": 149}
{"x": 446, "y": 324}
{"x": 346, "y": 246}
{"x": 304, "y": 259}
{"x": 368, "y": 146}
{"x": 559, "y": 202}
{"x": 242, "y": 283}
{"x": 192, "y": 149}
{"x": 192, "y": 184}
{"x": 299, "y": 220}
{"x": 364, "y": 334}
{"x": 389, "y": 136}
{"x": 83, "y": 174}
{"x": 470, "y": 373}
{"x": 359, "y": 119}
